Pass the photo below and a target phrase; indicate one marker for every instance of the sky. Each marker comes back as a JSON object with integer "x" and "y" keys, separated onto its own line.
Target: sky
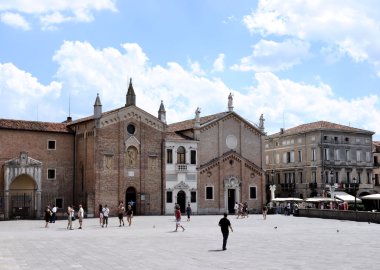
{"x": 295, "y": 62}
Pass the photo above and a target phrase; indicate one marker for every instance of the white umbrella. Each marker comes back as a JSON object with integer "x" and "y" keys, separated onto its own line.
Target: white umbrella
{"x": 287, "y": 199}
{"x": 371, "y": 197}
{"x": 320, "y": 199}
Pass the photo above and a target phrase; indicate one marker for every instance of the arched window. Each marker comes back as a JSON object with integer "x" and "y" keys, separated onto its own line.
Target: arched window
{"x": 181, "y": 155}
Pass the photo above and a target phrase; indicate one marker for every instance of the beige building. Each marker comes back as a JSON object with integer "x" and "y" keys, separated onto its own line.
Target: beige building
{"x": 304, "y": 160}
{"x": 376, "y": 165}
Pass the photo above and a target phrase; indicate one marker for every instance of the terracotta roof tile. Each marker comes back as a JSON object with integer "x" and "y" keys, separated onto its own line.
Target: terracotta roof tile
{"x": 189, "y": 124}
{"x": 33, "y": 125}
{"x": 177, "y": 137}
{"x": 320, "y": 125}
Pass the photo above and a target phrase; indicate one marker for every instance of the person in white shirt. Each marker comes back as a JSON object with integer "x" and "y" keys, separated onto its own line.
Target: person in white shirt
{"x": 54, "y": 214}
{"x": 80, "y": 216}
{"x": 106, "y": 212}
{"x": 70, "y": 216}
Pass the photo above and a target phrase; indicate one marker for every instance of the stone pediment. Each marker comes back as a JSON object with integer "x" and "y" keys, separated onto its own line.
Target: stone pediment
{"x": 232, "y": 182}
{"x": 181, "y": 185}
{"x": 129, "y": 112}
{"x": 132, "y": 141}
{"x": 23, "y": 161}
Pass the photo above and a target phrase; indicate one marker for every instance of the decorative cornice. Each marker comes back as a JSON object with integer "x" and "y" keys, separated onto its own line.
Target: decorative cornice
{"x": 181, "y": 185}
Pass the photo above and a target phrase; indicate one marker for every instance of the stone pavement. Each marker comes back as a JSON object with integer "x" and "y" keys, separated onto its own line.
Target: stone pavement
{"x": 280, "y": 242}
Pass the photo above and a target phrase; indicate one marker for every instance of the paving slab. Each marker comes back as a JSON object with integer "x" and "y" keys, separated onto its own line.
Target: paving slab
{"x": 280, "y": 242}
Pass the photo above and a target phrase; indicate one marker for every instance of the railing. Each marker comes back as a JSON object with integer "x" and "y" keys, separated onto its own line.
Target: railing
{"x": 181, "y": 168}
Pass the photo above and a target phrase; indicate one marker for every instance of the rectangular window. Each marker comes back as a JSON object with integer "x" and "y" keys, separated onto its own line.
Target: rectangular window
{"x": 169, "y": 196}
{"x": 193, "y": 196}
{"x": 348, "y": 155}
{"x": 169, "y": 156}
{"x": 278, "y": 158}
{"x": 313, "y": 154}
{"x": 337, "y": 156}
{"x": 300, "y": 177}
{"x": 59, "y": 202}
{"x": 358, "y": 155}
{"x": 291, "y": 159}
{"x": 299, "y": 156}
{"x": 252, "y": 193}
{"x": 51, "y": 174}
{"x": 51, "y": 145}
{"x": 368, "y": 156}
{"x": 327, "y": 154}
{"x": 193, "y": 157}
{"x": 314, "y": 177}
{"x": 209, "y": 193}
{"x": 267, "y": 159}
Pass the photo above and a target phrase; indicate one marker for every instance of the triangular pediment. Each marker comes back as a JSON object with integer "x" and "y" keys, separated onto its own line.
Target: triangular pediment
{"x": 22, "y": 160}
{"x": 181, "y": 185}
{"x": 227, "y": 157}
{"x": 131, "y": 112}
{"x": 132, "y": 141}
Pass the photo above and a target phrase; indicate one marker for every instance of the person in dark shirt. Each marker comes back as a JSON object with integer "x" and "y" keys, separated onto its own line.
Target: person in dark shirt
{"x": 224, "y": 224}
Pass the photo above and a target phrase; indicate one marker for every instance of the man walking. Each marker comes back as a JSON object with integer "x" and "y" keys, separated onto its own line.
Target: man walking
{"x": 106, "y": 212}
{"x": 224, "y": 224}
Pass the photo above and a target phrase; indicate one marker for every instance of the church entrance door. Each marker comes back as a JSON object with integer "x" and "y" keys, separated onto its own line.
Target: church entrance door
{"x": 130, "y": 198}
{"x": 231, "y": 201}
{"x": 181, "y": 200}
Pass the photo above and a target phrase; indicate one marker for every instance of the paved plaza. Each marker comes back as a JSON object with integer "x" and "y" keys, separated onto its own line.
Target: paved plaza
{"x": 280, "y": 242}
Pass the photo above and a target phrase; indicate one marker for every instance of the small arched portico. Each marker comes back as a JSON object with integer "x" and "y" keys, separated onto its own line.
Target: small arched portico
{"x": 22, "y": 187}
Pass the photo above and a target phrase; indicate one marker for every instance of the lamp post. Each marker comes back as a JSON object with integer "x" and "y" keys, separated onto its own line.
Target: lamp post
{"x": 332, "y": 187}
{"x": 354, "y": 181}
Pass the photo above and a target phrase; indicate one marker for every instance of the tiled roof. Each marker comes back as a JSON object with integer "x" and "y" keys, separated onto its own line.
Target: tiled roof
{"x": 33, "y": 125}
{"x": 189, "y": 124}
{"x": 320, "y": 125}
{"x": 177, "y": 137}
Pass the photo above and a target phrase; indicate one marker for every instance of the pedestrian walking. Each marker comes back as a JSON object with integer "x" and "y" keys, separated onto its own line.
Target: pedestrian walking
{"x": 70, "y": 217}
{"x": 129, "y": 214}
{"x": 54, "y": 214}
{"x": 47, "y": 216}
{"x": 225, "y": 224}
{"x": 80, "y": 216}
{"x": 265, "y": 211}
{"x": 188, "y": 211}
{"x": 106, "y": 212}
{"x": 120, "y": 213}
{"x": 178, "y": 220}
{"x": 236, "y": 208}
{"x": 101, "y": 215}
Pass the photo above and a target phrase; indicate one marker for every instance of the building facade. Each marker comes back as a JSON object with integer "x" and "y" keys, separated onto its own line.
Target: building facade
{"x": 228, "y": 158}
{"x": 376, "y": 165}
{"x": 304, "y": 161}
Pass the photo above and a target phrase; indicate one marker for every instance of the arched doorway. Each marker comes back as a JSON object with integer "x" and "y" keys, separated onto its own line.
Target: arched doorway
{"x": 22, "y": 197}
{"x": 130, "y": 198}
{"x": 181, "y": 200}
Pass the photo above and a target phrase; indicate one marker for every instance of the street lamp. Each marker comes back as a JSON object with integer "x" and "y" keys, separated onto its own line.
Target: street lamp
{"x": 332, "y": 187}
{"x": 354, "y": 180}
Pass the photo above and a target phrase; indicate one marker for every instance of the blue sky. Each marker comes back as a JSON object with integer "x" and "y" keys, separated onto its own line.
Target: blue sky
{"x": 293, "y": 61}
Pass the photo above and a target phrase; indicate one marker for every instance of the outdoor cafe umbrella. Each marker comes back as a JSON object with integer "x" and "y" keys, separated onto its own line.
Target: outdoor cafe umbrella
{"x": 290, "y": 199}
{"x": 373, "y": 197}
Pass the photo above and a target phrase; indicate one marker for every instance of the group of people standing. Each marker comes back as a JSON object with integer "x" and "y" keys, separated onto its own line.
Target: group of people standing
{"x": 71, "y": 216}
{"x": 121, "y": 211}
{"x": 241, "y": 209}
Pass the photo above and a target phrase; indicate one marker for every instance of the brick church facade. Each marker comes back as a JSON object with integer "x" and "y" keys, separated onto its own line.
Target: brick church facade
{"x": 121, "y": 155}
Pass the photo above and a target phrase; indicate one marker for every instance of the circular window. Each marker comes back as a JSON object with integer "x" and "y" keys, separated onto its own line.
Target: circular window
{"x": 131, "y": 129}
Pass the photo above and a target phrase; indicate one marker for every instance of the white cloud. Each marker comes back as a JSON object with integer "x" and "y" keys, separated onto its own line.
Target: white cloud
{"x": 301, "y": 103}
{"x": 351, "y": 27}
{"x": 52, "y": 13}
{"x": 218, "y": 65}
{"x": 15, "y": 20}
{"x": 20, "y": 92}
{"x": 274, "y": 56}
{"x": 85, "y": 71}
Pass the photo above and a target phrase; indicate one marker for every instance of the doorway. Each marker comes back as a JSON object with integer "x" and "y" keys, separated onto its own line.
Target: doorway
{"x": 130, "y": 198}
{"x": 22, "y": 194}
{"x": 231, "y": 201}
{"x": 181, "y": 200}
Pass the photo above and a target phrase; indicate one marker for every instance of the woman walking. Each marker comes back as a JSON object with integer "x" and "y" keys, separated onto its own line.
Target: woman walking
{"x": 129, "y": 215}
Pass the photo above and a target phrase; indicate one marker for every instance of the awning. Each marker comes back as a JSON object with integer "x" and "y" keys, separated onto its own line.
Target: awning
{"x": 371, "y": 197}
{"x": 320, "y": 199}
{"x": 343, "y": 196}
{"x": 287, "y": 200}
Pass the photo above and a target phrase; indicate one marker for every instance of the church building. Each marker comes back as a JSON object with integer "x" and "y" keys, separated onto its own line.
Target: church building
{"x": 129, "y": 155}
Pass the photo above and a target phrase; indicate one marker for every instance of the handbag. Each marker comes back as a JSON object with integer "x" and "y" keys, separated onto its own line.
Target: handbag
{"x": 73, "y": 218}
